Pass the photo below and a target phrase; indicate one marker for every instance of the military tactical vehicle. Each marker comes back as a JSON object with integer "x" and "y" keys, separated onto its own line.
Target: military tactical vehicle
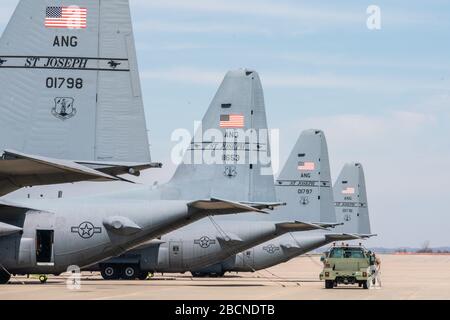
{"x": 346, "y": 264}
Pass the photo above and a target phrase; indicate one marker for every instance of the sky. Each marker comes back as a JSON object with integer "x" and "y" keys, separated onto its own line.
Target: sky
{"x": 382, "y": 97}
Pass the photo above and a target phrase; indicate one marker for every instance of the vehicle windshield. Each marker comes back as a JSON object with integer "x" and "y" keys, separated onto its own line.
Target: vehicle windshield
{"x": 355, "y": 253}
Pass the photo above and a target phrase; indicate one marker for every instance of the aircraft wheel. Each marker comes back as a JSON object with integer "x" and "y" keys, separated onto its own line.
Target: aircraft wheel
{"x": 110, "y": 272}
{"x": 198, "y": 274}
{"x": 130, "y": 272}
{"x": 4, "y": 277}
{"x": 143, "y": 275}
{"x": 43, "y": 278}
{"x": 329, "y": 284}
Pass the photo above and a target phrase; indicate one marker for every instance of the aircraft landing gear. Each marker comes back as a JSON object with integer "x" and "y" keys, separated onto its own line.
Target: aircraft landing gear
{"x": 43, "y": 278}
{"x": 130, "y": 272}
{"x": 110, "y": 272}
{"x": 144, "y": 275}
{"x": 207, "y": 275}
{"x": 198, "y": 275}
{"x": 4, "y": 277}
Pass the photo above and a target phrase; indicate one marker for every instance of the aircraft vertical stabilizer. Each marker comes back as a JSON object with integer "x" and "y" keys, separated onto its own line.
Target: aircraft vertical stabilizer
{"x": 305, "y": 181}
{"x": 223, "y": 161}
{"x": 351, "y": 200}
{"x": 70, "y": 87}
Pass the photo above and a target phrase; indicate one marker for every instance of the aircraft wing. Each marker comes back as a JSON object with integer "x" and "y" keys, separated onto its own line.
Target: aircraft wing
{"x": 218, "y": 206}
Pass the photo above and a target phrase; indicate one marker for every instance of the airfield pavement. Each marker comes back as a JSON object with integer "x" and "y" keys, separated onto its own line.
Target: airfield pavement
{"x": 403, "y": 277}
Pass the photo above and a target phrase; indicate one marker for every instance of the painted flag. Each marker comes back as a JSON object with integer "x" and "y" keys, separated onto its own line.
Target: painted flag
{"x": 306, "y": 166}
{"x": 232, "y": 121}
{"x": 348, "y": 190}
{"x": 72, "y": 17}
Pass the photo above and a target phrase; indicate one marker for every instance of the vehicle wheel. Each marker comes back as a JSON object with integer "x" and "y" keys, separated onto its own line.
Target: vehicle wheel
{"x": 43, "y": 278}
{"x": 365, "y": 285}
{"x": 143, "y": 275}
{"x": 130, "y": 272}
{"x": 4, "y": 277}
{"x": 110, "y": 272}
{"x": 198, "y": 274}
{"x": 329, "y": 284}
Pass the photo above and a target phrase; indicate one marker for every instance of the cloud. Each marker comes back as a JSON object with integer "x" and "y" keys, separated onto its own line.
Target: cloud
{"x": 199, "y": 27}
{"x": 184, "y": 75}
{"x": 273, "y": 9}
{"x": 200, "y": 76}
{"x": 350, "y": 59}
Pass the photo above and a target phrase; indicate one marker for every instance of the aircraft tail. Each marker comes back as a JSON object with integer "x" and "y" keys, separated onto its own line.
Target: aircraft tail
{"x": 229, "y": 156}
{"x": 70, "y": 86}
{"x": 351, "y": 200}
{"x": 305, "y": 181}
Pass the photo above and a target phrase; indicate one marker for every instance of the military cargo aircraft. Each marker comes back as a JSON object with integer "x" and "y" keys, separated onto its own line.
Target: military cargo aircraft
{"x": 351, "y": 209}
{"x": 61, "y": 100}
{"x": 304, "y": 184}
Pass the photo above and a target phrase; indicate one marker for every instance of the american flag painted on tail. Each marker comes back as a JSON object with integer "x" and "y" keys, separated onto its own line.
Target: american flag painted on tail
{"x": 71, "y": 17}
{"x": 232, "y": 121}
{"x": 306, "y": 166}
{"x": 348, "y": 190}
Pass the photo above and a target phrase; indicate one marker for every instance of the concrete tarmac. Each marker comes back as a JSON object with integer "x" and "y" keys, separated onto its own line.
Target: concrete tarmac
{"x": 402, "y": 277}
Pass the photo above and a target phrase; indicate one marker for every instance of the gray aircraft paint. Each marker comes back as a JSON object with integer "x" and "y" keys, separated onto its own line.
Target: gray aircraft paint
{"x": 202, "y": 245}
{"x": 308, "y": 193}
{"x": 351, "y": 202}
{"x": 109, "y": 121}
{"x": 240, "y": 93}
{"x": 292, "y": 245}
{"x": 88, "y": 229}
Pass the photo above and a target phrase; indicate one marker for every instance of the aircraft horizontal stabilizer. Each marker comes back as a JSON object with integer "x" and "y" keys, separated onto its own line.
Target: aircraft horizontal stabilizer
{"x": 219, "y": 207}
{"x": 18, "y": 170}
{"x": 342, "y": 237}
{"x": 366, "y": 236}
{"x": 14, "y": 205}
{"x": 7, "y": 229}
{"x": 299, "y": 226}
{"x": 118, "y": 168}
{"x": 328, "y": 225}
{"x": 264, "y": 205}
{"x": 347, "y": 236}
